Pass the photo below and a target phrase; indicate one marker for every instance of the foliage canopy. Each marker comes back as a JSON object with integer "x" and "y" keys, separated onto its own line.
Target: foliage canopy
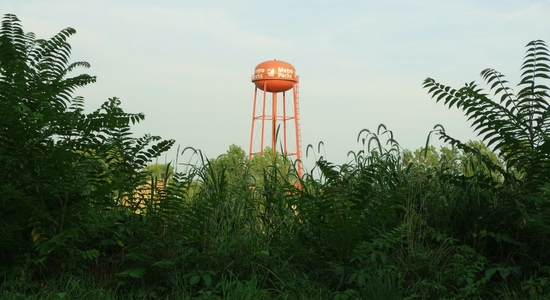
{"x": 516, "y": 126}
{"x": 79, "y": 217}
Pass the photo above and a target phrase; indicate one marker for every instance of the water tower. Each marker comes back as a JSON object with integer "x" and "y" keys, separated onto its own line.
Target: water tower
{"x": 275, "y": 114}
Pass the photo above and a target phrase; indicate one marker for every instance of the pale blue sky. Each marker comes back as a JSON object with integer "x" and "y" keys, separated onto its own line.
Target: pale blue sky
{"x": 187, "y": 64}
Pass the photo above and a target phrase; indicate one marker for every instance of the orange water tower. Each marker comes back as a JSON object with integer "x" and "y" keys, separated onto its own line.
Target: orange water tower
{"x": 275, "y": 115}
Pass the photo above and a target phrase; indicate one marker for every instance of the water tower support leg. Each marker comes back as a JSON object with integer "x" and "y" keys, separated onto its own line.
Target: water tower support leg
{"x": 253, "y": 121}
{"x": 263, "y": 122}
{"x": 285, "y": 150}
{"x": 274, "y": 122}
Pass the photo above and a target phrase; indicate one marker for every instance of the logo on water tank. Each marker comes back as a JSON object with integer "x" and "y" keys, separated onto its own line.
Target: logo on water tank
{"x": 271, "y": 72}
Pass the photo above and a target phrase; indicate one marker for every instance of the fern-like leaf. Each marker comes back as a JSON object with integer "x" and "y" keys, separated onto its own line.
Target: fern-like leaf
{"x": 517, "y": 126}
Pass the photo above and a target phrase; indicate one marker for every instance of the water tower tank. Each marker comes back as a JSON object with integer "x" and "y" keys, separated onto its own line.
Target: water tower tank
{"x": 276, "y": 75}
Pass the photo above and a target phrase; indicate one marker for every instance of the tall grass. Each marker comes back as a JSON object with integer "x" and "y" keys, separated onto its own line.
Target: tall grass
{"x": 82, "y": 217}
{"x": 373, "y": 228}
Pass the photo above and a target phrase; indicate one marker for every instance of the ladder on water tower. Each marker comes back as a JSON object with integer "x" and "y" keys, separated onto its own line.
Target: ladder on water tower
{"x": 297, "y": 116}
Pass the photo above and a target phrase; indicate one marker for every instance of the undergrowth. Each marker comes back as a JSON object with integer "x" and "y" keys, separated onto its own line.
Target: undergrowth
{"x": 84, "y": 215}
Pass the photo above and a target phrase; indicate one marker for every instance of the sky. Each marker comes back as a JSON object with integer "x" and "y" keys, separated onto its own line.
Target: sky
{"x": 187, "y": 64}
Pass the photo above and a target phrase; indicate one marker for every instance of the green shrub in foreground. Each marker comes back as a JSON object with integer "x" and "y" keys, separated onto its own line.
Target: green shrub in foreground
{"x": 82, "y": 217}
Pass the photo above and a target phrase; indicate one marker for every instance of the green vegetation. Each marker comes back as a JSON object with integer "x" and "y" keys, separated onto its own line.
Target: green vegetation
{"x": 84, "y": 214}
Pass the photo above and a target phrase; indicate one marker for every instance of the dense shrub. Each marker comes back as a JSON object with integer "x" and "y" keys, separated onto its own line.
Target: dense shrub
{"x": 82, "y": 216}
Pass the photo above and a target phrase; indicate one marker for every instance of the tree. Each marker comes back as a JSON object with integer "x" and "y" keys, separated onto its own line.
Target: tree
{"x": 238, "y": 169}
{"x": 272, "y": 163}
{"x": 473, "y": 163}
{"x": 159, "y": 171}
{"x": 428, "y": 157}
{"x": 515, "y": 126}
{"x": 62, "y": 172}
{"x": 454, "y": 161}
{"x": 513, "y": 213}
{"x": 234, "y": 163}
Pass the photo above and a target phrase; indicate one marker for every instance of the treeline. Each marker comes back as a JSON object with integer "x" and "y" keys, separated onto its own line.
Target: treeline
{"x": 84, "y": 214}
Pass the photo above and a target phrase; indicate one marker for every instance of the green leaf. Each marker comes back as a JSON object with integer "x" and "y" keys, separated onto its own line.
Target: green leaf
{"x": 207, "y": 280}
{"x": 133, "y": 273}
{"x": 164, "y": 264}
{"x": 194, "y": 279}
